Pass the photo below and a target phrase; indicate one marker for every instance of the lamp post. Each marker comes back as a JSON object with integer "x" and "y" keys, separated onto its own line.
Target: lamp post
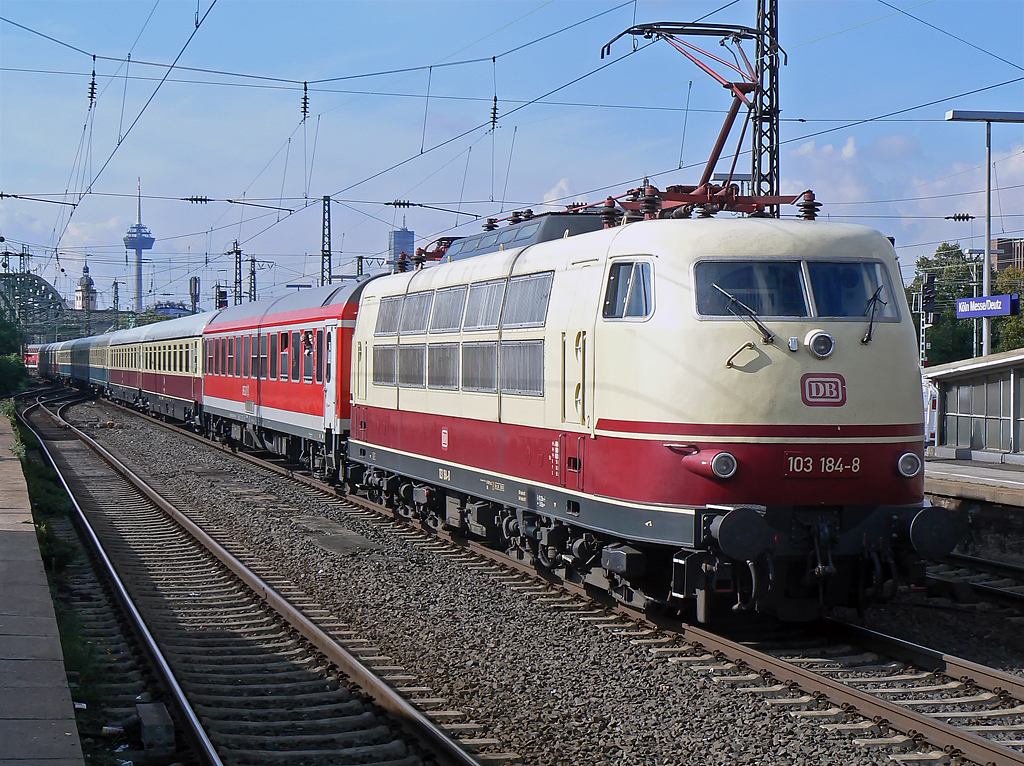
{"x": 988, "y": 118}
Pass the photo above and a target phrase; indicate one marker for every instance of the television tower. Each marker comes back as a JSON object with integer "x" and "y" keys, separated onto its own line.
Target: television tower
{"x": 138, "y": 239}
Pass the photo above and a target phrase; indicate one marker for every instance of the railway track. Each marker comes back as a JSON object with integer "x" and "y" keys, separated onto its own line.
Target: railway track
{"x": 918, "y": 704}
{"x": 968, "y": 578}
{"x": 256, "y": 676}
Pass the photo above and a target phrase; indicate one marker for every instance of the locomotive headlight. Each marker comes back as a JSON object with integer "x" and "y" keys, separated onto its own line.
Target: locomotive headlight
{"x": 908, "y": 465}
{"x": 819, "y": 343}
{"x": 723, "y": 465}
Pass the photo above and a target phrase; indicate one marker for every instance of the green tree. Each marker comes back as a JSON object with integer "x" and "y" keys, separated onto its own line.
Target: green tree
{"x": 13, "y": 374}
{"x": 11, "y": 337}
{"x": 955, "y": 272}
{"x": 1008, "y": 332}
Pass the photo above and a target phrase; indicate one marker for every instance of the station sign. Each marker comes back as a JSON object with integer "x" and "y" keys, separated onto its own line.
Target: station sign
{"x": 987, "y": 306}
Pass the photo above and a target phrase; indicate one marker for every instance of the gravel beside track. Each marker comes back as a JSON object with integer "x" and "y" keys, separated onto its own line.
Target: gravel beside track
{"x": 552, "y": 687}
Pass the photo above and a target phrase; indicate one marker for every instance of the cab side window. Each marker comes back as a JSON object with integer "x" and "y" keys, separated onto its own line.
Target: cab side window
{"x": 629, "y": 293}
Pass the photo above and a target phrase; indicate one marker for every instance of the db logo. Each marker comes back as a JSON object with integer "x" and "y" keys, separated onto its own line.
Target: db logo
{"x": 444, "y": 439}
{"x": 823, "y": 389}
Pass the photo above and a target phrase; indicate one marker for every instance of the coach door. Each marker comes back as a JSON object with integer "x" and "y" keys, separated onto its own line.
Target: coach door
{"x": 331, "y": 371}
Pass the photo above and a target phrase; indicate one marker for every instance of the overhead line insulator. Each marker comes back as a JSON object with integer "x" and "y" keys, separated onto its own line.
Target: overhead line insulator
{"x": 305, "y": 102}
{"x": 196, "y": 200}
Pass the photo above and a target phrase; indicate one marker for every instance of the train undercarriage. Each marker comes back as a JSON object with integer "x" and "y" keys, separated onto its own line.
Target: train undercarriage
{"x": 794, "y": 563}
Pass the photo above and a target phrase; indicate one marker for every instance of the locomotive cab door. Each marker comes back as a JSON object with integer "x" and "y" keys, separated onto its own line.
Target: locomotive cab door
{"x": 577, "y": 372}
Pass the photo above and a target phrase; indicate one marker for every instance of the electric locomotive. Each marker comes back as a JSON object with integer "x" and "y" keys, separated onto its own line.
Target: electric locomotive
{"x": 665, "y": 411}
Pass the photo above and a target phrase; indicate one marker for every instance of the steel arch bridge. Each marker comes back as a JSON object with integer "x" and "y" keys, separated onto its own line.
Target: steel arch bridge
{"x": 32, "y": 302}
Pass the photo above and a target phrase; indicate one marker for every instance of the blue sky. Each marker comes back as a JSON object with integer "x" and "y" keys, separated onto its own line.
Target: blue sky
{"x": 376, "y": 134}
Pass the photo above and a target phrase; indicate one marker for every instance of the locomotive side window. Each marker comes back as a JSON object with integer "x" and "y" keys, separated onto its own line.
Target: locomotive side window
{"x": 443, "y": 366}
{"x": 526, "y": 232}
{"x": 412, "y": 366}
{"x": 388, "y": 314}
{"x": 768, "y": 288}
{"x": 522, "y": 367}
{"x": 448, "y": 306}
{"x": 384, "y": 365}
{"x": 480, "y": 367}
{"x": 484, "y": 308}
{"x": 851, "y": 289}
{"x": 415, "y": 312}
{"x": 527, "y": 301}
{"x": 629, "y": 292}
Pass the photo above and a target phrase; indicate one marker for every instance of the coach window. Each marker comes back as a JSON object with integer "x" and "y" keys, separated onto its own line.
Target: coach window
{"x": 263, "y": 357}
{"x": 231, "y": 357}
{"x": 238, "y": 356}
{"x": 629, "y": 293}
{"x": 245, "y": 356}
{"x": 319, "y": 356}
{"x": 273, "y": 356}
{"x": 223, "y": 356}
{"x": 216, "y": 356}
{"x": 328, "y": 364}
{"x": 307, "y": 356}
{"x": 209, "y": 356}
{"x": 296, "y": 355}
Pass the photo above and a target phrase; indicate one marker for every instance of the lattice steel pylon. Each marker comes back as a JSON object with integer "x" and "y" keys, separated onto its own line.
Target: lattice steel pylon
{"x": 765, "y": 117}
{"x": 326, "y": 277}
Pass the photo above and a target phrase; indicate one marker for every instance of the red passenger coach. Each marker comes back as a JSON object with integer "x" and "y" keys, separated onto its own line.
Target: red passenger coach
{"x": 276, "y": 373}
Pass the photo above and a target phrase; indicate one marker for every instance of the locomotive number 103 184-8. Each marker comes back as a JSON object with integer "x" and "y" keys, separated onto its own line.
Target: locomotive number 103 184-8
{"x": 808, "y": 466}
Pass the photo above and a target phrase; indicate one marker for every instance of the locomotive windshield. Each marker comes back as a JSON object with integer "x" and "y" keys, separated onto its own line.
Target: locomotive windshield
{"x": 771, "y": 288}
{"x": 847, "y": 289}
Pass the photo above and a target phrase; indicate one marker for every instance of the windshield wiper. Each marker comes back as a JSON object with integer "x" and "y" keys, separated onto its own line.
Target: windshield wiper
{"x": 766, "y": 335}
{"x": 873, "y": 301}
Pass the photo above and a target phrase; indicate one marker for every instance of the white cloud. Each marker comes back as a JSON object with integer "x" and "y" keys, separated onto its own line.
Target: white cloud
{"x": 558, "y": 192}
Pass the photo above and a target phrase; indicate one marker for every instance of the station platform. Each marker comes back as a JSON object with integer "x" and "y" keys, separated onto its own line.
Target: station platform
{"x": 37, "y": 715}
{"x": 978, "y": 480}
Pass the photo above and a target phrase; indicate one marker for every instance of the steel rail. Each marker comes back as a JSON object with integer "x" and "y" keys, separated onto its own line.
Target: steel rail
{"x": 201, "y": 741}
{"x": 971, "y": 745}
{"x": 988, "y": 566}
{"x": 935, "y": 731}
{"x": 430, "y": 734}
{"x": 987, "y": 678}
